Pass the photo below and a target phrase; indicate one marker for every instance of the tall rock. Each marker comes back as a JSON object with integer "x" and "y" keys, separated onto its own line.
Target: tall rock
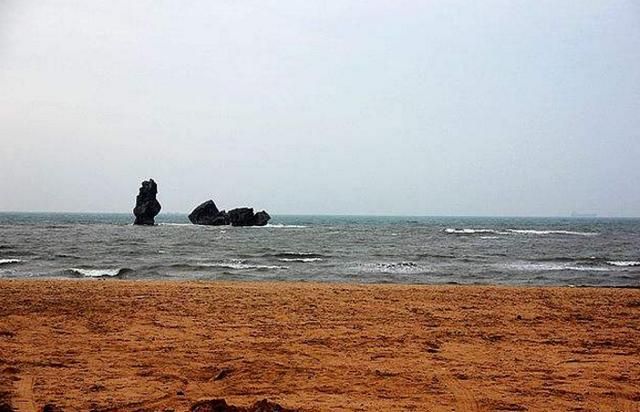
{"x": 208, "y": 214}
{"x": 147, "y": 206}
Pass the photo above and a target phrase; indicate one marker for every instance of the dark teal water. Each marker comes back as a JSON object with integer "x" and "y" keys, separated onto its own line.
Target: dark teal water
{"x": 432, "y": 250}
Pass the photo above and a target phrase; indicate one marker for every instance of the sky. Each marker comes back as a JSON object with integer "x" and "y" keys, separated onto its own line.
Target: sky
{"x": 500, "y": 108}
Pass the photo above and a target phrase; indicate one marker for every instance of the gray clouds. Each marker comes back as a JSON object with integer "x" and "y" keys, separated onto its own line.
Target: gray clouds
{"x": 444, "y": 108}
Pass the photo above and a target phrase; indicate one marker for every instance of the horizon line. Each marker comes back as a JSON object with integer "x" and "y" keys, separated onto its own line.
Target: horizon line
{"x": 340, "y": 214}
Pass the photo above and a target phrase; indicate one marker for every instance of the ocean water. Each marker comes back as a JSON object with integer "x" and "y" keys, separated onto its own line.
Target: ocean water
{"x": 365, "y": 249}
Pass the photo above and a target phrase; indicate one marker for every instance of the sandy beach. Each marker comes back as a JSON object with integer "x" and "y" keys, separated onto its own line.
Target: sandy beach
{"x": 160, "y": 346}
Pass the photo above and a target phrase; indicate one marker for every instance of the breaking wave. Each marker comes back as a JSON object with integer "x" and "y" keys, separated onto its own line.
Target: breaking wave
{"x": 394, "y": 268}
{"x": 9, "y": 261}
{"x": 97, "y": 273}
{"x": 471, "y": 231}
{"x": 280, "y": 225}
{"x": 545, "y": 267}
{"x": 464, "y": 231}
{"x": 591, "y": 261}
{"x": 550, "y": 232}
{"x": 623, "y": 263}
{"x": 241, "y": 265}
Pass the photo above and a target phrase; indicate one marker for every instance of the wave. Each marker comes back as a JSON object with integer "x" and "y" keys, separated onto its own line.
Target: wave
{"x": 465, "y": 231}
{"x": 432, "y": 255}
{"x": 67, "y": 256}
{"x": 305, "y": 260}
{"x": 97, "y": 273}
{"x": 548, "y": 267}
{"x": 623, "y": 263}
{"x": 9, "y": 261}
{"x": 297, "y": 255}
{"x": 473, "y": 231}
{"x": 551, "y": 232}
{"x": 240, "y": 265}
{"x": 590, "y": 261}
{"x": 280, "y": 225}
{"x": 394, "y": 268}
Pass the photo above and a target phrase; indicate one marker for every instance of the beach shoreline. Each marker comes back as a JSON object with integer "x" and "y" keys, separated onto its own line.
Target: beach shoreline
{"x": 162, "y": 345}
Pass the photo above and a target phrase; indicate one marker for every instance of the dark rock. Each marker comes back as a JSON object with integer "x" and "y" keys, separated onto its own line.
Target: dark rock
{"x": 261, "y": 218}
{"x": 208, "y": 214}
{"x": 50, "y": 407}
{"x": 244, "y": 216}
{"x": 147, "y": 206}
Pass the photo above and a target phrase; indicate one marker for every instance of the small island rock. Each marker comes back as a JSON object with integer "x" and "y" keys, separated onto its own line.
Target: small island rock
{"x": 244, "y": 216}
{"x": 147, "y": 206}
{"x": 208, "y": 214}
{"x": 261, "y": 218}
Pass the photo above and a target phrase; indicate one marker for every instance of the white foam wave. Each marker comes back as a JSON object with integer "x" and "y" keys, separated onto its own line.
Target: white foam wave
{"x": 545, "y": 267}
{"x": 239, "y": 265}
{"x": 550, "y": 232}
{"x": 473, "y": 231}
{"x": 96, "y": 273}
{"x": 394, "y": 268}
{"x": 305, "y": 260}
{"x": 466, "y": 231}
{"x": 623, "y": 263}
{"x": 9, "y": 261}
{"x": 280, "y": 225}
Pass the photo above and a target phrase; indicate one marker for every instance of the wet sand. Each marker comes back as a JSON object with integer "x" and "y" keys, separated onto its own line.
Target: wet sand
{"x": 131, "y": 346}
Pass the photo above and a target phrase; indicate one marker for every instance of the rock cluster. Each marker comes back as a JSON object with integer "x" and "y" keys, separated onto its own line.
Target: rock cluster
{"x": 208, "y": 214}
{"x": 244, "y": 216}
{"x": 147, "y": 206}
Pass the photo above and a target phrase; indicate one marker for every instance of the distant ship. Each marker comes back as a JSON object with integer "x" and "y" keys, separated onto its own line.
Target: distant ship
{"x": 576, "y": 214}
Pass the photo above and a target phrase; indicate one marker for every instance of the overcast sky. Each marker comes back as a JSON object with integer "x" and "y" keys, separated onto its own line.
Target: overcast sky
{"x": 340, "y": 107}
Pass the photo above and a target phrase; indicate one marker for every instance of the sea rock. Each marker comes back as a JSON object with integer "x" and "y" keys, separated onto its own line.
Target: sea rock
{"x": 147, "y": 206}
{"x": 208, "y": 214}
{"x": 261, "y": 218}
{"x": 244, "y": 216}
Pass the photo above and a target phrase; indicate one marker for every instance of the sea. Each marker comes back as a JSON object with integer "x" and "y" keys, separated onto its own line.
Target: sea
{"x": 352, "y": 249}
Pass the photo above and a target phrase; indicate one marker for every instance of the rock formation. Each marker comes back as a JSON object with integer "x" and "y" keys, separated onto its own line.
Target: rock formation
{"x": 208, "y": 214}
{"x": 147, "y": 206}
{"x": 261, "y": 218}
{"x": 244, "y": 216}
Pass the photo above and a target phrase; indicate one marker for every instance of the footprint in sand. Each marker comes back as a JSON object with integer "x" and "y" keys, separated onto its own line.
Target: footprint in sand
{"x": 23, "y": 401}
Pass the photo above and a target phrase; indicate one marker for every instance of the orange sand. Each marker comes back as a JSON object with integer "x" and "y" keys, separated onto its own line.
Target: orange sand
{"x": 119, "y": 345}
